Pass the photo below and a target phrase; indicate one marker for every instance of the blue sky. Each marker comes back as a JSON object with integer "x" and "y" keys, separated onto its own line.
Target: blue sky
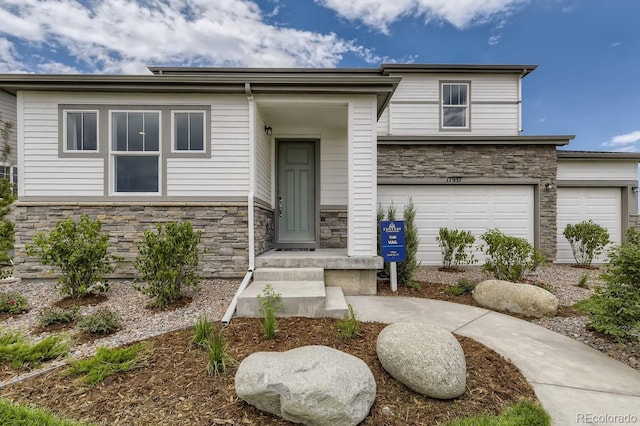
{"x": 588, "y": 51}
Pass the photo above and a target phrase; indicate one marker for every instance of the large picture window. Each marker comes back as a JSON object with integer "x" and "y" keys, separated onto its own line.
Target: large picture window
{"x": 455, "y": 105}
{"x": 188, "y": 131}
{"x": 81, "y": 131}
{"x": 135, "y": 151}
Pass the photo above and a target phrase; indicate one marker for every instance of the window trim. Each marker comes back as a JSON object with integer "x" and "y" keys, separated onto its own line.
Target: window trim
{"x": 467, "y": 126}
{"x": 174, "y": 148}
{"x": 113, "y": 154}
{"x": 64, "y": 131}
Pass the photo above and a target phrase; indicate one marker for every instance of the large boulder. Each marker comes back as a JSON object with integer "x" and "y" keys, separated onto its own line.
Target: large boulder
{"x": 427, "y": 359}
{"x": 525, "y": 299}
{"x": 313, "y": 385}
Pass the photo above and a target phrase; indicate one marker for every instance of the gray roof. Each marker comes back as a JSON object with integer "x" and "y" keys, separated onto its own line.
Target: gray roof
{"x": 597, "y": 155}
{"x": 558, "y": 140}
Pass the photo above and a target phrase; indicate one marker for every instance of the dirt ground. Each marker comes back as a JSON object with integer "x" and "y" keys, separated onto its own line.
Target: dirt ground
{"x": 173, "y": 387}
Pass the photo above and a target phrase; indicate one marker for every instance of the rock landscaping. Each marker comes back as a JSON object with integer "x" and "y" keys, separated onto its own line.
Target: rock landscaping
{"x": 520, "y": 298}
{"x": 425, "y": 358}
{"x": 313, "y": 385}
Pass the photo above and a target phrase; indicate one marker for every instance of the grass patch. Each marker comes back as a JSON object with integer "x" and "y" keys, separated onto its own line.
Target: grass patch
{"x": 106, "y": 362}
{"x": 16, "y": 351}
{"x": 218, "y": 355}
{"x": 584, "y": 281}
{"x": 521, "y": 413}
{"x": 202, "y": 332}
{"x": 16, "y": 414}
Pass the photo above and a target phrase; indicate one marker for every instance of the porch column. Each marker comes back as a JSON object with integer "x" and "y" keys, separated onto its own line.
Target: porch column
{"x": 362, "y": 166}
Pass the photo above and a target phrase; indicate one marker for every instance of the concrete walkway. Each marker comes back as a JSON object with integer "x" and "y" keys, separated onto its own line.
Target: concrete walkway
{"x": 575, "y": 383}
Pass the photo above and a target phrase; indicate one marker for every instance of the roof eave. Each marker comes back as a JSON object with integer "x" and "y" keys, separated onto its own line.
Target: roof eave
{"x": 557, "y": 140}
{"x": 522, "y": 70}
{"x": 598, "y": 155}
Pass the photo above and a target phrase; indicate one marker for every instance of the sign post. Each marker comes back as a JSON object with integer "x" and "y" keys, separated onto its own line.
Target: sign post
{"x": 392, "y": 247}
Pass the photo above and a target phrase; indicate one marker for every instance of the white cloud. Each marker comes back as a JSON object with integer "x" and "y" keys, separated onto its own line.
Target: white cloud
{"x": 624, "y": 143}
{"x": 493, "y": 40}
{"x": 615, "y": 44}
{"x": 379, "y": 14}
{"x": 9, "y": 62}
{"x": 122, "y": 36}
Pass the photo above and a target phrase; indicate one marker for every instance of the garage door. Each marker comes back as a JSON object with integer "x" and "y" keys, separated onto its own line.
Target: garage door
{"x": 602, "y": 205}
{"x": 475, "y": 208}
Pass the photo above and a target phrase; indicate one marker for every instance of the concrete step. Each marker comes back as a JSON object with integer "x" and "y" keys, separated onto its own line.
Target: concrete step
{"x": 335, "y": 304}
{"x": 299, "y": 298}
{"x": 288, "y": 274}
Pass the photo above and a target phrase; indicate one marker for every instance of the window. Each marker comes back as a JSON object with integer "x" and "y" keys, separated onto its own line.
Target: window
{"x": 81, "y": 131}
{"x": 135, "y": 151}
{"x": 455, "y": 105}
{"x": 188, "y": 131}
{"x": 11, "y": 174}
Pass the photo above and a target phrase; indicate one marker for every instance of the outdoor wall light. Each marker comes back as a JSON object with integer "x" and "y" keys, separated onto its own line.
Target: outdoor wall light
{"x": 268, "y": 130}
{"x": 548, "y": 186}
{"x": 634, "y": 189}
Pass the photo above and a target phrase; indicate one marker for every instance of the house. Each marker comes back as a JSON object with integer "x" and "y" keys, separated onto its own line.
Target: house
{"x": 299, "y": 159}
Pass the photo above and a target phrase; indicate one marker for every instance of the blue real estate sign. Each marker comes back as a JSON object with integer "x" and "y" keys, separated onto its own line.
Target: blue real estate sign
{"x": 392, "y": 241}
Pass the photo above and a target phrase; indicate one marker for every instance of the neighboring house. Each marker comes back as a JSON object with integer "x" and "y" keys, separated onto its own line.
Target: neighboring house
{"x": 8, "y": 165}
{"x": 263, "y": 159}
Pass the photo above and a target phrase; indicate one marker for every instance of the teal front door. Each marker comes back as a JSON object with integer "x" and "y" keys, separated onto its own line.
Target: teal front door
{"x": 296, "y": 210}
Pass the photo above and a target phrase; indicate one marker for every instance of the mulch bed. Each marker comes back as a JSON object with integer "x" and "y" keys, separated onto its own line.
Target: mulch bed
{"x": 174, "y": 388}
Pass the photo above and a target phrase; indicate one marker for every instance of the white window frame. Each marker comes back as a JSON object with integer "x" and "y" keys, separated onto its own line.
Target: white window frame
{"x": 65, "y": 149}
{"x": 113, "y": 154}
{"x": 467, "y": 106}
{"x": 174, "y": 142}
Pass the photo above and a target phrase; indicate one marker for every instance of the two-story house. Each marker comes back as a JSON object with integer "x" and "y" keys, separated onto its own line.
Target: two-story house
{"x": 274, "y": 163}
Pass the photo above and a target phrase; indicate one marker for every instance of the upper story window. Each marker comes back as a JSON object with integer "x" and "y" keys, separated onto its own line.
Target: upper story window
{"x": 81, "y": 131}
{"x": 455, "y": 105}
{"x": 135, "y": 152}
{"x": 188, "y": 131}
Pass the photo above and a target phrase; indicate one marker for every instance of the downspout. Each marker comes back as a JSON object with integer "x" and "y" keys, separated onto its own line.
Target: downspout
{"x": 524, "y": 72}
{"x": 226, "y": 318}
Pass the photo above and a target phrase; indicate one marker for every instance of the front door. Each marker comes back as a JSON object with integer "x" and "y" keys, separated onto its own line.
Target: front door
{"x": 296, "y": 210}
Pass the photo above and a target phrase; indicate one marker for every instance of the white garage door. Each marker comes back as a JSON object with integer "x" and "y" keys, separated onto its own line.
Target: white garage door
{"x": 475, "y": 208}
{"x": 602, "y": 205}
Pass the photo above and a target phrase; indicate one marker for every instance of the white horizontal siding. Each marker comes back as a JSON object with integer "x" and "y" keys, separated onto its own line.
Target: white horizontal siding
{"x": 383, "y": 122}
{"x": 263, "y": 162}
{"x": 415, "y": 106}
{"x": 597, "y": 170}
{"x": 333, "y": 169}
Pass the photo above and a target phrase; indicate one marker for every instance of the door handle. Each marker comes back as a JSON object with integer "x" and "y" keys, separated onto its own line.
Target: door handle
{"x": 280, "y": 206}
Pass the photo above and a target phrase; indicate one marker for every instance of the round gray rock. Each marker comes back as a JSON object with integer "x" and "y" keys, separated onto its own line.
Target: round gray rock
{"x": 425, "y": 358}
{"x": 312, "y": 385}
{"x": 525, "y": 299}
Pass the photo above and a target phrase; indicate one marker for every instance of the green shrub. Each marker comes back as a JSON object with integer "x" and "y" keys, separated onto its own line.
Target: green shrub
{"x": 17, "y": 414}
{"x": 584, "y": 280}
{"x": 54, "y": 315}
{"x": 464, "y": 286}
{"x": 270, "y": 304}
{"x": 106, "y": 362}
{"x": 7, "y": 197}
{"x": 79, "y": 250}
{"x": 18, "y": 352}
{"x": 349, "y": 326}
{"x": 202, "y": 332}
{"x": 509, "y": 258}
{"x": 167, "y": 262}
{"x": 407, "y": 269}
{"x": 12, "y": 302}
{"x": 455, "y": 246}
{"x": 104, "y": 321}
{"x": 615, "y": 308}
{"x": 587, "y": 240}
{"x": 218, "y": 355}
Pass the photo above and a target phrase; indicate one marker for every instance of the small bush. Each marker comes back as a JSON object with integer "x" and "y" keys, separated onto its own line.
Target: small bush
{"x": 55, "y": 315}
{"x": 218, "y": 356}
{"x": 407, "y": 269}
{"x": 270, "y": 304}
{"x": 615, "y": 308}
{"x": 587, "y": 240}
{"x": 104, "y": 321}
{"x": 455, "y": 246}
{"x": 509, "y": 258}
{"x": 202, "y": 332}
{"x": 13, "y": 303}
{"x": 106, "y": 362}
{"x": 464, "y": 286}
{"x": 349, "y": 326}
{"x": 79, "y": 250}
{"x": 18, "y": 352}
{"x": 7, "y": 197}
{"x": 584, "y": 279}
{"x": 167, "y": 262}
{"x": 17, "y": 414}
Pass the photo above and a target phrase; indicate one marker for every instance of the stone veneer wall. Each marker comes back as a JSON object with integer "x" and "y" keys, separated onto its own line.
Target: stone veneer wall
{"x": 535, "y": 162}
{"x": 223, "y": 226}
{"x": 333, "y": 228}
{"x": 264, "y": 229}
{"x": 634, "y": 221}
